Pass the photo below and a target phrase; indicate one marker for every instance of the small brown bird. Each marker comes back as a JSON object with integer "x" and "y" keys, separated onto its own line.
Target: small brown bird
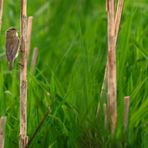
{"x": 12, "y": 45}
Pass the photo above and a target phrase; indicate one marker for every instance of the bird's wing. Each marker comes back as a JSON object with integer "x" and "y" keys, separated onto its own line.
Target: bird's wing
{"x": 16, "y": 46}
{"x": 12, "y": 48}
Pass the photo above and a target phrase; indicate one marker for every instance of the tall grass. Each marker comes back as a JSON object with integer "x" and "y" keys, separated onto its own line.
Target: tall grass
{"x": 72, "y": 40}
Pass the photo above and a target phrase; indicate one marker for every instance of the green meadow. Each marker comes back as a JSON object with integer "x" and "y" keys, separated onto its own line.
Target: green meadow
{"x": 71, "y": 36}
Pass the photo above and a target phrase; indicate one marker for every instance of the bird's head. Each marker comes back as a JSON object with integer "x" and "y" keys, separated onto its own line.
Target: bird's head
{"x": 11, "y": 32}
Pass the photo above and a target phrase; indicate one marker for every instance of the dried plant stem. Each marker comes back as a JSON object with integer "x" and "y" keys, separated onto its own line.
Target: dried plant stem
{"x": 118, "y": 18}
{"x": 34, "y": 59}
{"x": 2, "y": 131}
{"x": 2, "y": 119}
{"x": 126, "y": 111}
{"x": 29, "y": 30}
{"x": 23, "y": 76}
{"x": 109, "y": 82}
{"x": 111, "y": 66}
{"x": 1, "y": 12}
{"x": 114, "y": 19}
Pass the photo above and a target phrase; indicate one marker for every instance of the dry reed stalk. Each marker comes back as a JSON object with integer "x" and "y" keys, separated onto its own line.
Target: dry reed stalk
{"x": 111, "y": 66}
{"x": 2, "y": 119}
{"x": 126, "y": 111}
{"x": 23, "y": 76}
{"x": 1, "y": 12}
{"x": 114, "y": 19}
{"x": 118, "y": 18}
{"x": 29, "y": 31}
{"x": 2, "y": 131}
{"x": 34, "y": 59}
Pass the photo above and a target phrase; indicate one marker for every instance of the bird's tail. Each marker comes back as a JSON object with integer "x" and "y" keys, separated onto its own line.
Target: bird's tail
{"x": 10, "y": 65}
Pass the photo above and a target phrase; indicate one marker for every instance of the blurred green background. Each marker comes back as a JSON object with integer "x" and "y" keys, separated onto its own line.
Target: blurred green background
{"x": 71, "y": 36}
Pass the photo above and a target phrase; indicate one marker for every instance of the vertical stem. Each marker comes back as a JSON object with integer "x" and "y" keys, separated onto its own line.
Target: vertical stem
{"x": 34, "y": 58}
{"x": 2, "y": 119}
{"x": 126, "y": 111}
{"x": 23, "y": 77}
{"x": 1, "y": 13}
{"x": 118, "y": 18}
{"x": 111, "y": 69}
{"x": 29, "y": 30}
{"x": 113, "y": 23}
{"x": 2, "y": 131}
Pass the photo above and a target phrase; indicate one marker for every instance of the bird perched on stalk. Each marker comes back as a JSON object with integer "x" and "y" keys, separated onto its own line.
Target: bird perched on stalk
{"x": 12, "y": 46}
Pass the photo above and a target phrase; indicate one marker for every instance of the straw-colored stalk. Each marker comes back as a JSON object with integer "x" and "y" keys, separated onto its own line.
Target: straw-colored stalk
{"x": 111, "y": 66}
{"x": 1, "y": 13}
{"x": 2, "y": 131}
{"x": 23, "y": 76}
{"x": 126, "y": 111}
{"x": 29, "y": 31}
{"x": 118, "y": 18}
{"x": 34, "y": 58}
{"x": 2, "y": 119}
{"x": 114, "y": 19}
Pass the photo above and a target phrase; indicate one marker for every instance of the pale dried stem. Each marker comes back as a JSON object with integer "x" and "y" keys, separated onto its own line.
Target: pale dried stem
{"x": 114, "y": 18}
{"x": 118, "y": 18}
{"x": 23, "y": 76}
{"x": 111, "y": 66}
{"x": 126, "y": 111}
{"x": 29, "y": 31}
{"x": 1, "y": 13}
{"x": 2, "y": 131}
{"x": 34, "y": 59}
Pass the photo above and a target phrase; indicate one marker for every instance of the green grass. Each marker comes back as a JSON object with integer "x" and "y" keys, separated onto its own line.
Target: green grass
{"x": 72, "y": 41}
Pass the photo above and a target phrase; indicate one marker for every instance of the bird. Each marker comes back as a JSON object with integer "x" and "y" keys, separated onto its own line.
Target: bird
{"x": 12, "y": 46}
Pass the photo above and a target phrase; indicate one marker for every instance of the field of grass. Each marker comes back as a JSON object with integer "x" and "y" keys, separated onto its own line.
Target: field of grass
{"x": 71, "y": 36}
